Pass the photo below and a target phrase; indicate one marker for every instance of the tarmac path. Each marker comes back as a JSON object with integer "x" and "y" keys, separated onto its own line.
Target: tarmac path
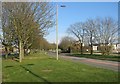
{"x": 111, "y": 65}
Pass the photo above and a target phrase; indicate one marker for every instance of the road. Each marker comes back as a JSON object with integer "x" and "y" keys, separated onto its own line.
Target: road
{"x": 111, "y": 65}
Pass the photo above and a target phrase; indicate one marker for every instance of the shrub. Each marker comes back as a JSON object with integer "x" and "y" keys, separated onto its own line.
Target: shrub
{"x": 105, "y": 49}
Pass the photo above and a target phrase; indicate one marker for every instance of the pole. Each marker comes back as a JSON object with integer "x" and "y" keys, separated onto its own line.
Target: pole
{"x": 57, "y": 31}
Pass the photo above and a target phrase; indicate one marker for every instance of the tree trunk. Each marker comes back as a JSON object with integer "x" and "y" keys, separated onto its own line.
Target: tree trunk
{"x": 91, "y": 50}
{"x": 81, "y": 48}
{"x": 91, "y": 46}
{"x": 6, "y": 52}
{"x": 21, "y": 51}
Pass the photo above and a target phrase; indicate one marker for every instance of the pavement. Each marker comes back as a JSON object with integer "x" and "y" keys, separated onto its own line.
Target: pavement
{"x": 111, "y": 65}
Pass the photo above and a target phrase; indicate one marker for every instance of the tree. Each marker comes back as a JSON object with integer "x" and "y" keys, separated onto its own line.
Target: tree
{"x": 24, "y": 18}
{"x": 106, "y": 30}
{"x": 52, "y": 46}
{"x": 40, "y": 43}
{"x": 65, "y": 43}
{"x": 89, "y": 27}
{"x": 106, "y": 33}
{"x": 44, "y": 44}
{"x": 7, "y": 34}
{"x": 96, "y": 31}
{"x": 77, "y": 30}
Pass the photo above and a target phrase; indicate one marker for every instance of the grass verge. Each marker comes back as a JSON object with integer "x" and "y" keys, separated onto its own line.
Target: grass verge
{"x": 39, "y": 67}
{"x": 97, "y": 56}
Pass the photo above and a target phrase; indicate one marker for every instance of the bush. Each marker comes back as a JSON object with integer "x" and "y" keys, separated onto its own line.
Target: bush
{"x": 86, "y": 49}
{"x": 75, "y": 49}
{"x": 105, "y": 49}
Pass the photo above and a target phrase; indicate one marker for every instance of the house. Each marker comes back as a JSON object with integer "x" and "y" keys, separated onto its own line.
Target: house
{"x": 95, "y": 47}
{"x": 116, "y": 48}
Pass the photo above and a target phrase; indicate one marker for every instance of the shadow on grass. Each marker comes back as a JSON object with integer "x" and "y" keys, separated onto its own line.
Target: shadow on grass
{"x": 8, "y": 66}
{"x": 35, "y": 74}
{"x": 30, "y": 64}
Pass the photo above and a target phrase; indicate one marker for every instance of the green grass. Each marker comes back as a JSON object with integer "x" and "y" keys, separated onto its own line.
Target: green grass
{"x": 97, "y": 56}
{"x": 42, "y": 68}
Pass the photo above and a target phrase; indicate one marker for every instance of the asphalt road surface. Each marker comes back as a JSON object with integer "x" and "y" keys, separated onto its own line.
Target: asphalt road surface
{"x": 111, "y": 65}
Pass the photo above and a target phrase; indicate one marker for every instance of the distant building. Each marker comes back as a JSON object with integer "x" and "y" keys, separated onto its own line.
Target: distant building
{"x": 95, "y": 47}
{"x": 116, "y": 48}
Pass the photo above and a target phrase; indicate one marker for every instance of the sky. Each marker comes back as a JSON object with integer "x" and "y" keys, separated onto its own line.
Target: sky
{"x": 80, "y": 12}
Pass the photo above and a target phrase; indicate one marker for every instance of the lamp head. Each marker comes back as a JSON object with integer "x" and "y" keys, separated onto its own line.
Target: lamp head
{"x": 62, "y": 6}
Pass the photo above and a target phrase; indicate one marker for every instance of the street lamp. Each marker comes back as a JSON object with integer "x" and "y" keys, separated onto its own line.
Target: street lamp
{"x": 57, "y": 29}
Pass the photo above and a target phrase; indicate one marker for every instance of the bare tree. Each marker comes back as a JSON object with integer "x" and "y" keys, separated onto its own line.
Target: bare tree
{"x": 24, "y": 19}
{"x": 89, "y": 27}
{"x": 77, "y": 30}
{"x": 96, "y": 31}
{"x": 106, "y": 32}
{"x": 66, "y": 43}
{"x": 101, "y": 31}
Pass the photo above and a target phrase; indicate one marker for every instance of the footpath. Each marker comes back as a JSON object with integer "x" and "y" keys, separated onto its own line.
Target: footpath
{"x": 111, "y": 65}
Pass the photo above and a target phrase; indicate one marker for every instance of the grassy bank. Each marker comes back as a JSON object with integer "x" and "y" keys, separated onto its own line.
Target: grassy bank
{"x": 39, "y": 67}
{"x": 97, "y": 56}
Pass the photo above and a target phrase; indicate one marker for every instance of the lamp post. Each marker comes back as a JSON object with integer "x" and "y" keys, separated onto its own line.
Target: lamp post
{"x": 57, "y": 29}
